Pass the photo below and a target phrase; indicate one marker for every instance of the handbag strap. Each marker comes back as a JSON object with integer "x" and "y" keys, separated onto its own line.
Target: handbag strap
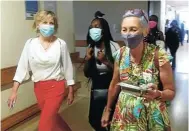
{"x": 121, "y": 54}
{"x": 156, "y": 62}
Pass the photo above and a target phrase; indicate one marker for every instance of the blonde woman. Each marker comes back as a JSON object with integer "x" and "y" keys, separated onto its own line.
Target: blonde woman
{"x": 143, "y": 65}
{"x": 48, "y": 58}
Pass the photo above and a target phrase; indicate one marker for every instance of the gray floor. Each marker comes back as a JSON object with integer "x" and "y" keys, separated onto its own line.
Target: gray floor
{"x": 179, "y": 106}
{"x": 178, "y": 109}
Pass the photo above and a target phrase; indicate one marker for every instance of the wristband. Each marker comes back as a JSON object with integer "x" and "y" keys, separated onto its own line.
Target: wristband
{"x": 107, "y": 109}
{"x": 160, "y": 97}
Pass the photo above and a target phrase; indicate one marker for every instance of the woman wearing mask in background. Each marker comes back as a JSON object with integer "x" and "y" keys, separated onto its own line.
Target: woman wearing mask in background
{"x": 155, "y": 35}
{"x": 48, "y": 58}
{"x": 139, "y": 63}
{"x": 173, "y": 38}
{"x": 99, "y": 67}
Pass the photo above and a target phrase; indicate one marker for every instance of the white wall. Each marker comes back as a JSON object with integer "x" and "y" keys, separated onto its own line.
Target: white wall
{"x": 162, "y": 16}
{"x": 155, "y": 8}
{"x": 170, "y": 12}
{"x": 15, "y": 30}
{"x": 66, "y": 23}
{"x": 84, "y": 13}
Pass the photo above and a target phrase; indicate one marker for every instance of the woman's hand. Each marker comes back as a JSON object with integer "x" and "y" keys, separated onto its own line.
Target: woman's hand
{"x": 70, "y": 95}
{"x": 12, "y": 100}
{"x": 89, "y": 53}
{"x": 105, "y": 118}
{"x": 13, "y": 97}
{"x": 101, "y": 56}
{"x": 152, "y": 92}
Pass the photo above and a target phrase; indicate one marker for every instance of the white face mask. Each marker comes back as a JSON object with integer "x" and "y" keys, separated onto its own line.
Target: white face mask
{"x": 95, "y": 34}
{"x": 46, "y": 30}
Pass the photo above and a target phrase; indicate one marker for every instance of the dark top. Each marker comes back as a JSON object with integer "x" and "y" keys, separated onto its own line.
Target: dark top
{"x": 153, "y": 36}
{"x": 172, "y": 38}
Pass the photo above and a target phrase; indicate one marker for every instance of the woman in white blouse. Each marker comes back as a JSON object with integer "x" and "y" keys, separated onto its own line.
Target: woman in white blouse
{"x": 49, "y": 61}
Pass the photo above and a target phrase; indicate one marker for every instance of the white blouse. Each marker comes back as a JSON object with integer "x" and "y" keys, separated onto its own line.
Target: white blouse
{"x": 51, "y": 64}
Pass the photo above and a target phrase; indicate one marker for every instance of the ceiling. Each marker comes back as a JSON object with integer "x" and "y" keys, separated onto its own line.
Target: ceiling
{"x": 178, "y": 3}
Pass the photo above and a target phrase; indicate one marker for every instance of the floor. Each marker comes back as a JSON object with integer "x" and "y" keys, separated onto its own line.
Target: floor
{"x": 179, "y": 106}
{"x": 76, "y": 115}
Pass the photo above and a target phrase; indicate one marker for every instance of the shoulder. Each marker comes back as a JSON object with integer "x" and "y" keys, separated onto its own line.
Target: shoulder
{"x": 150, "y": 48}
{"x": 63, "y": 44}
{"x": 121, "y": 50}
{"x": 115, "y": 45}
{"x": 61, "y": 41}
{"x": 31, "y": 41}
{"x": 156, "y": 47}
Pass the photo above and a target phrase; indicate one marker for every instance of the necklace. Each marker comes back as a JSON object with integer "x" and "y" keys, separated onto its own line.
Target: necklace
{"x": 138, "y": 79}
{"x": 46, "y": 47}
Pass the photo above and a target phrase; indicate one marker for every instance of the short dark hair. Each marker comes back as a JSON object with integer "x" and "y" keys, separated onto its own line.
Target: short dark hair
{"x": 153, "y": 18}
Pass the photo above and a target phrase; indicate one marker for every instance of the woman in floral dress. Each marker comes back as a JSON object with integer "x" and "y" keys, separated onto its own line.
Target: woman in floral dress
{"x": 142, "y": 64}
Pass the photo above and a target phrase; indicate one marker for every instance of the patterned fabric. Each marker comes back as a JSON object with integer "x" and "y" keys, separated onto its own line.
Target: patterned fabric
{"x": 133, "y": 113}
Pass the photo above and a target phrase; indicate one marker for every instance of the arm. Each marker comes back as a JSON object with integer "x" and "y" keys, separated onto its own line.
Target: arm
{"x": 113, "y": 89}
{"x": 22, "y": 73}
{"x": 89, "y": 63}
{"x": 89, "y": 53}
{"x": 114, "y": 47}
{"x": 161, "y": 36}
{"x": 180, "y": 35}
{"x": 110, "y": 65}
{"x": 67, "y": 66}
{"x": 166, "y": 76}
{"x": 166, "y": 40}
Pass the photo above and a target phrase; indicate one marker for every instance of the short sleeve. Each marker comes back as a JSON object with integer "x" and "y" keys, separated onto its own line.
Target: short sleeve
{"x": 163, "y": 57}
{"x": 116, "y": 55}
{"x": 114, "y": 47}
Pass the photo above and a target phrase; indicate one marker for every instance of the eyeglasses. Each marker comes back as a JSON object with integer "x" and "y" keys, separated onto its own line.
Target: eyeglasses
{"x": 135, "y": 12}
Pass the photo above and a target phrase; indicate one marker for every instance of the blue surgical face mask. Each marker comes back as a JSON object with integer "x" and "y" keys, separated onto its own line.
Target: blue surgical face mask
{"x": 46, "y": 30}
{"x": 132, "y": 41}
{"x": 95, "y": 34}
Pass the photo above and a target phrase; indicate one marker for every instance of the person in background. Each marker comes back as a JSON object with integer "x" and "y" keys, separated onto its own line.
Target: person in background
{"x": 154, "y": 34}
{"x": 49, "y": 60}
{"x": 187, "y": 32}
{"x": 166, "y": 25}
{"x": 173, "y": 38}
{"x": 140, "y": 64}
{"x": 99, "y": 67}
{"x": 182, "y": 32}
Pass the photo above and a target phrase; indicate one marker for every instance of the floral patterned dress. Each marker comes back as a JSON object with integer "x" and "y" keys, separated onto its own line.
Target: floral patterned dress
{"x": 132, "y": 113}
